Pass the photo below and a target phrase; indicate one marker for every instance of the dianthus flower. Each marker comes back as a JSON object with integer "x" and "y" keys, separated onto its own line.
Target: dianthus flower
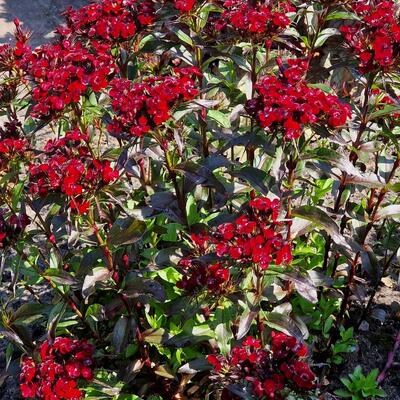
{"x": 12, "y": 144}
{"x": 21, "y": 40}
{"x": 254, "y": 238}
{"x": 285, "y": 103}
{"x": 55, "y": 376}
{"x": 255, "y": 18}
{"x": 11, "y": 227}
{"x": 7, "y": 59}
{"x": 268, "y": 371}
{"x": 184, "y": 6}
{"x": 213, "y": 276}
{"x": 62, "y": 72}
{"x": 375, "y": 37}
{"x": 140, "y": 107}
{"x": 108, "y": 20}
{"x": 69, "y": 168}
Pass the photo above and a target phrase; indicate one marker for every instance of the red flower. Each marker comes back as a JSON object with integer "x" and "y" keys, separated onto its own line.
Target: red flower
{"x": 273, "y": 385}
{"x": 251, "y": 239}
{"x": 71, "y": 170}
{"x": 62, "y": 72}
{"x": 300, "y": 373}
{"x": 55, "y": 376}
{"x": 284, "y": 345}
{"x": 286, "y": 103}
{"x": 109, "y": 21}
{"x": 28, "y": 390}
{"x": 254, "y": 17}
{"x": 250, "y": 341}
{"x": 11, "y": 227}
{"x": 374, "y": 39}
{"x": 249, "y": 363}
{"x": 66, "y": 389}
{"x": 214, "y": 277}
{"x": 140, "y": 107}
{"x": 184, "y": 5}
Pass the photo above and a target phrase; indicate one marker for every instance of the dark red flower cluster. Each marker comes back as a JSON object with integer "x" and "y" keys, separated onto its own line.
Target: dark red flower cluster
{"x": 12, "y": 144}
{"x": 140, "y": 107}
{"x": 285, "y": 103}
{"x": 11, "y": 227}
{"x": 69, "y": 168}
{"x": 258, "y": 17}
{"x": 8, "y": 91}
{"x": 21, "y": 39}
{"x": 62, "y": 72}
{"x": 268, "y": 371}
{"x": 184, "y": 6}
{"x": 55, "y": 376}
{"x": 108, "y": 20}
{"x": 375, "y": 38}
{"x": 198, "y": 276}
{"x": 7, "y": 59}
{"x": 254, "y": 238}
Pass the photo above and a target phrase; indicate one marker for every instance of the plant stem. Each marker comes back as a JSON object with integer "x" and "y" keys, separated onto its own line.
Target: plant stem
{"x": 390, "y": 359}
{"x": 353, "y": 158}
{"x": 250, "y": 150}
{"x": 178, "y": 192}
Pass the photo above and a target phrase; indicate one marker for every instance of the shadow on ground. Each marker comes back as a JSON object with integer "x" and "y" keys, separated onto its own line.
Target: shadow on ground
{"x": 40, "y": 16}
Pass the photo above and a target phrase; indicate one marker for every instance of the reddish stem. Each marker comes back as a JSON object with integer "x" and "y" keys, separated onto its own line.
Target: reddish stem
{"x": 390, "y": 359}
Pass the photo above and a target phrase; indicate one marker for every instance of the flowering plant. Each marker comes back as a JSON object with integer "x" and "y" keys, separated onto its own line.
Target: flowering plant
{"x": 198, "y": 200}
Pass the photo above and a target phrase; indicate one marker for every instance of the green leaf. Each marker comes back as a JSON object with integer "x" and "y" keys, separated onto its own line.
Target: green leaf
{"x": 196, "y": 335}
{"x": 325, "y": 88}
{"x": 204, "y": 12}
{"x": 60, "y": 276}
{"x": 182, "y": 36}
{"x": 191, "y": 210}
{"x": 245, "y": 323}
{"x": 126, "y": 231}
{"x": 224, "y": 335}
{"x": 123, "y": 330}
{"x": 324, "y": 35}
{"x": 134, "y": 287}
{"x": 304, "y": 286}
{"x": 254, "y": 176}
{"x": 156, "y": 336}
{"x": 55, "y": 316}
{"x": 29, "y": 310}
{"x": 16, "y": 194}
{"x": 286, "y": 325}
{"x": 219, "y": 117}
{"x": 340, "y": 15}
{"x": 386, "y": 110}
{"x": 343, "y": 393}
{"x": 55, "y": 258}
{"x": 323, "y": 220}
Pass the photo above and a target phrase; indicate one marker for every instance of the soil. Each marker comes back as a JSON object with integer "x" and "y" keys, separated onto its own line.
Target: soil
{"x": 39, "y": 16}
{"x": 375, "y": 340}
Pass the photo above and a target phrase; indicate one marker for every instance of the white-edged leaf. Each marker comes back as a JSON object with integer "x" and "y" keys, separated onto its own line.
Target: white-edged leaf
{"x": 99, "y": 274}
{"x": 392, "y": 211}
